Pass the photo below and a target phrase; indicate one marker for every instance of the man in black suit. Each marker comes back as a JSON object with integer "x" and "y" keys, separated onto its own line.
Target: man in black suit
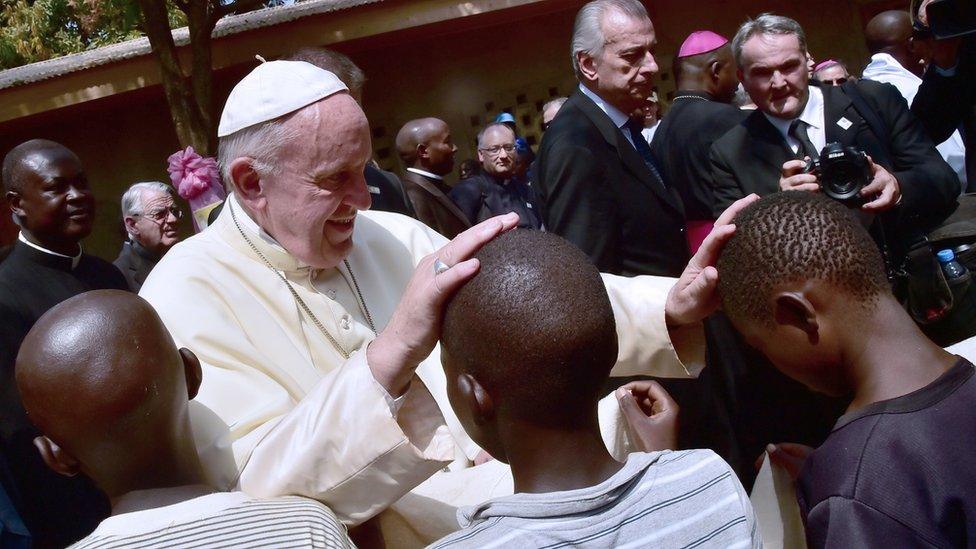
{"x": 599, "y": 181}
{"x": 701, "y": 112}
{"x": 497, "y": 189}
{"x": 52, "y": 202}
{"x": 151, "y": 218}
{"x": 764, "y": 154}
{"x": 426, "y": 149}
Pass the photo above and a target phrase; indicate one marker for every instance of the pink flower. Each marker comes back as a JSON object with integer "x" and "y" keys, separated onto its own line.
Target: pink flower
{"x": 192, "y": 174}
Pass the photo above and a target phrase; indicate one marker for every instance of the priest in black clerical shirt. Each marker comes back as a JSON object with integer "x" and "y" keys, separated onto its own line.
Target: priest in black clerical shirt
{"x": 701, "y": 112}
{"x": 497, "y": 190}
{"x": 53, "y": 204}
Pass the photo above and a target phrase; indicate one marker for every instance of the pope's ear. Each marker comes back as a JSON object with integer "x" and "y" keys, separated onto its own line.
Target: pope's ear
{"x": 477, "y": 399}
{"x": 247, "y": 182}
{"x": 58, "y": 460}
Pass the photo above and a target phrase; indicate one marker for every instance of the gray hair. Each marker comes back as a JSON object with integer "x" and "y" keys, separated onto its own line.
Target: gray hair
{"x": 588, "y": 35}
{"x": 262, "y": 143}
{"x": 481, "y": 134}
{"x": 132, "y": 197}
{"x": 766, "y": 23}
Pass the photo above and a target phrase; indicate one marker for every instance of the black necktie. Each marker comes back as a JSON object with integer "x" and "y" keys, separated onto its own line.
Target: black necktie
{"x": 643, "y": 149}
{"x": 798, "y": 131}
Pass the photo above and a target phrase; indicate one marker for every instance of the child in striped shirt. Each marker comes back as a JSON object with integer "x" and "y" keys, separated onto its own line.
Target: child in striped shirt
{"x": 527, "y": 346}
{"x": 101, "y": 378}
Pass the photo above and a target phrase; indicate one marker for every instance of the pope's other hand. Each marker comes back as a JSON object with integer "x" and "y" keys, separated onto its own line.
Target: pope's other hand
{"x": 694, "y": 296}
{"x": 413, "y": 329}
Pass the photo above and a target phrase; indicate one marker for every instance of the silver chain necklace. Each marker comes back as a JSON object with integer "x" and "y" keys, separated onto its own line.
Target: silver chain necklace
{"x": 301, "y": 303}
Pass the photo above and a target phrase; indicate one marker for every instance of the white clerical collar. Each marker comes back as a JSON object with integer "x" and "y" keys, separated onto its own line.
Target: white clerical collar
{"x": 425, "y": 174}
{"x": 813, "y": 113}
{"x": 74, "y": 259}
{"x": 616, "y": 116}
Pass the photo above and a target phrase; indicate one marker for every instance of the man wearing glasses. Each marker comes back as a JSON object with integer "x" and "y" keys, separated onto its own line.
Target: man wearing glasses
{"x": 497, "y": 190}
{"x": 151, "y": 220}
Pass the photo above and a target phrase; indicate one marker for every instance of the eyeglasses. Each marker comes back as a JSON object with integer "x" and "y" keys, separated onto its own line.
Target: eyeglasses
{"x": 161, "y": 214}
{"x": 497, "y": 149}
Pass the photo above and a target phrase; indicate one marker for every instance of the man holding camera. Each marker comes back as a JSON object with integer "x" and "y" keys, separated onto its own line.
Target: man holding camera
{"x": 902, "y": 174}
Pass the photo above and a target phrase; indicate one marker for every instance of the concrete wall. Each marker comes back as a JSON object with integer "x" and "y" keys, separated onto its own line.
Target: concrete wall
{"x": 463, "y": 77}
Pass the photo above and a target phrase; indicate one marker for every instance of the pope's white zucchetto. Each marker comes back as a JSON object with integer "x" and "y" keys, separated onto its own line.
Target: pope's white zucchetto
{"x": 274, "y": 89}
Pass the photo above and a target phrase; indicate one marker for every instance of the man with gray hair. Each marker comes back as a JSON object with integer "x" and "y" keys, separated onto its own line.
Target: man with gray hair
{"x": 550, "y": 109}
{"x": 498, "y": 189}
{"x": 151, "y": 219}
{"x": 316, "y": 321}
{"x": 910, "y": 183}
{"x": 600, "y": 184}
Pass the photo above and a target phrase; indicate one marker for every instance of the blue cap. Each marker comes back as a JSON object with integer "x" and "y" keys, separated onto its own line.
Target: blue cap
{"x": 505, "y": 118}
{"x": 946, "y": 256}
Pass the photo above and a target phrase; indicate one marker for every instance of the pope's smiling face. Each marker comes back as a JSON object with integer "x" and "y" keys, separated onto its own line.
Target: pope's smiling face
{"x": 311, "y": 202}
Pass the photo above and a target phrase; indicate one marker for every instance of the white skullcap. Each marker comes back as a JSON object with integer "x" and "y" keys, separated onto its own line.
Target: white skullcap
{"x": 274, "y": 89}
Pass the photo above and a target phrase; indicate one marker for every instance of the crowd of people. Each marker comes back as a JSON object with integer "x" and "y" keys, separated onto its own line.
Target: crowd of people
{"x": 343, "y": 356}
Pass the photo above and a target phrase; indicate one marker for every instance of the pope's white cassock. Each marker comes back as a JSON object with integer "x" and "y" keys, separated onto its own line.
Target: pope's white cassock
{"x": 282, "y": 411}
{"x": 297, "y": 416}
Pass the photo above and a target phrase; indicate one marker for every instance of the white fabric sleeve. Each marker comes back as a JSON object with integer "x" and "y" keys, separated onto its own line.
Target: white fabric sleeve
{"x": 646, "y": 346}
{"x": 342, "y": 445}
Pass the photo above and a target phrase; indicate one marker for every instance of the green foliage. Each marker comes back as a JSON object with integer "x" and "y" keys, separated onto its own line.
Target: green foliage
{"x": 36, "y": 30}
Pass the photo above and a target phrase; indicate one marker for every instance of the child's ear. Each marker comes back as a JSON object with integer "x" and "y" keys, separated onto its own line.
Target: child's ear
{"x": 795, "y": 310}
{"x": 477, "y": 398}
{"x": 194, "y": 373}
{"x": 55, "y": 458}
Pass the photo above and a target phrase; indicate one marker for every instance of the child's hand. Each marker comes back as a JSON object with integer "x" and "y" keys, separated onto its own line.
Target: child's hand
{"x": 788, "y": 455}
{"x": 651, "y": 413}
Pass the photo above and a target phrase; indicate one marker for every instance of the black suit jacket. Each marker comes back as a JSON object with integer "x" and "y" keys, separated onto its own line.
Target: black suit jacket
{"x": 943, "y": 104}
{"x": 432, "y": 205}
{"x": 599, "y": 194}
{"x": 749, "y": 158}
{"x": 681, "y": 145}
{"x": 135, "y": 263}
{"x": 57, "y": 510}
{"x": 386, "y": 191}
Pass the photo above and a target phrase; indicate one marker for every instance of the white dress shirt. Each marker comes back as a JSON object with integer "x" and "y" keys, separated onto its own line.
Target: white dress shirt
{"x": 618, "y": 117}
{"x": 813, "y": 115}
{"x": 884, "y": 68}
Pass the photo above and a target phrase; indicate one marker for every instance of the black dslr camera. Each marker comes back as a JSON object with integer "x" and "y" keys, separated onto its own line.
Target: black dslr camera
{"x": 842, "y": 171}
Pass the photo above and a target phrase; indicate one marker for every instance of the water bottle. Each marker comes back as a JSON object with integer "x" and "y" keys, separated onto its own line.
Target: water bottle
{"x": 951, "y": 267}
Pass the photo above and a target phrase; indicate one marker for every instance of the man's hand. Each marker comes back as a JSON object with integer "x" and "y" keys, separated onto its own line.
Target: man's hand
{"x": 792, "y": 177}
{"x": 884, "y": 186}
{"x": 415, "y": 325}
{"x": 651, "y": 413}
{"x": 788, "y": 455}
{"x": 693, "y": 296}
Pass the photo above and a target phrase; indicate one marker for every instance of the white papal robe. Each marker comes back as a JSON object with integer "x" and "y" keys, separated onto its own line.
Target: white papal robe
{"x": 284, "y": 413}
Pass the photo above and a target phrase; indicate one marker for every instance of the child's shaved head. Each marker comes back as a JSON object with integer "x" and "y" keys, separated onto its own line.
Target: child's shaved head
{"x": 791, "y": 237}
{"x": 534, "y": 327}
{"x": 100, "y": 376}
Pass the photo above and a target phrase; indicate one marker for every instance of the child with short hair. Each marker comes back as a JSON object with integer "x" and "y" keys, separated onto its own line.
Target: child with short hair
{"x": 527, "y": 346}
{"x": 101, "y": 378}
{"x": 804, "y": 283}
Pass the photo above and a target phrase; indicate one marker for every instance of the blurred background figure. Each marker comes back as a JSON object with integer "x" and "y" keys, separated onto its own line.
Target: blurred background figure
{"x": 831, "y": 72}
{"x": 550, "y": 109}
{"x": 151, "y": 218}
